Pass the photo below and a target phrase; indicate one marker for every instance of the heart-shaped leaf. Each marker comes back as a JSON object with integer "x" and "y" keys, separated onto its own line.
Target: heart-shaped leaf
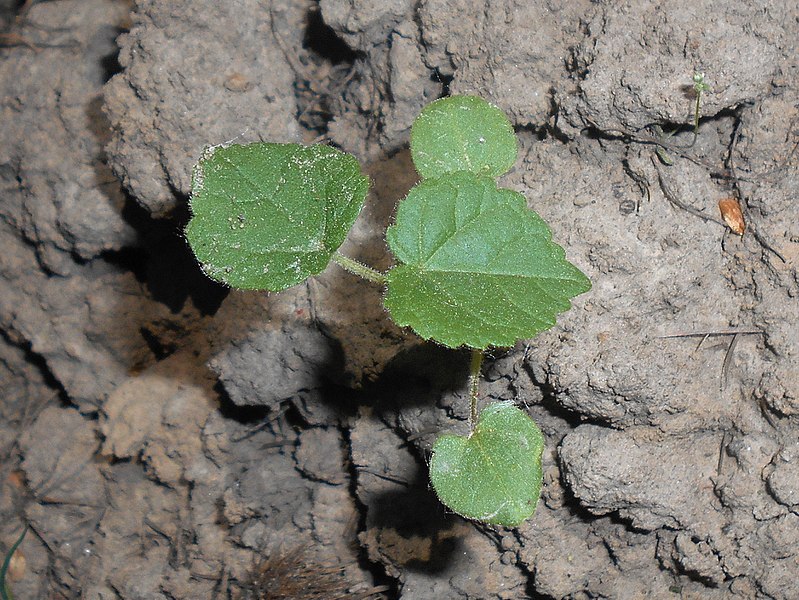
{"x": 462, "y": 133}
{"x": 494, "y": 475}
{"x": 478, "y": 267}
{"x": 267, "y": 216}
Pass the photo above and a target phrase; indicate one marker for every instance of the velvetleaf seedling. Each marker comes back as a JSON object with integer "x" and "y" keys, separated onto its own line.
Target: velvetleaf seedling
{"x": 475, "y": 267}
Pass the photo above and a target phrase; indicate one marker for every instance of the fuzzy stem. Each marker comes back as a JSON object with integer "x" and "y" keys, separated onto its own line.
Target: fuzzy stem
{"x": 474, "y": 385}
{"x": 696, "y": 112}
{"x": 696, "y": 117}
{"x": 699, "y": 87}
{"x": 359, "y": 269}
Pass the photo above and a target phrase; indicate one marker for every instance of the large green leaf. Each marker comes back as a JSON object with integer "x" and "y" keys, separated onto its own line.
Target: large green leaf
{"x": 462, "y": 133}
{"x": 494, "y": 475}
{"x": 478, "y": 268}
{"x": 267, "y": 216}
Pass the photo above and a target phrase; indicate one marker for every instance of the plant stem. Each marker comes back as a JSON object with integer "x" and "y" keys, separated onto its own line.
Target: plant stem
{"x": 696, "y": 118}
{"x": 699, "y": 87}
{"x": 359, "y": 269}
{"x": 474, "y": 385}
{"x": 696, "y": 112}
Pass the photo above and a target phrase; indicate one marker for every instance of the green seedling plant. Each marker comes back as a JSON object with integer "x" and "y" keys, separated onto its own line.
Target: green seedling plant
{"x": 699, "y": 87}
{"x": 475, "y": 267}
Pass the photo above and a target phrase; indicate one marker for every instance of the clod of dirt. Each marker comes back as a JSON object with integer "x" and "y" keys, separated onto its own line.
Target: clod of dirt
{"x": 783, "y": 477}
{"x": 650, "y": 496}
{"x": 269, "y": 367}
{"x": 197, "y": 49}
{"x": 682, "y": 481}
{"x": 640, "y": 73}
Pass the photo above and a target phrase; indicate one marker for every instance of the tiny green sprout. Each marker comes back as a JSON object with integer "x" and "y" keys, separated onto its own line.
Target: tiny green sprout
{"x": 699, "y": 83}
{"x": 699, "y": 87}
{"x": 475, "y": 267}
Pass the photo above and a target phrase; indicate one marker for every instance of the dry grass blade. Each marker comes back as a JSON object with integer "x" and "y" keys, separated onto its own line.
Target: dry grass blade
{"x": 295, "y": 575}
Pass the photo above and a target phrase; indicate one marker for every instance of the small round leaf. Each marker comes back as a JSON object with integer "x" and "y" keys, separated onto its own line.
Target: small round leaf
{"x": 494, "y": 475}
{"x": 267, "y": 216}
{"x": 462, "y": 133}
{"x": 477, "y": 267}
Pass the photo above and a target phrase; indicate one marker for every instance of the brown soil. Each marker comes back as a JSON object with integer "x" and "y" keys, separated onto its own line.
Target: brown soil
{"x": 166, "y": 438}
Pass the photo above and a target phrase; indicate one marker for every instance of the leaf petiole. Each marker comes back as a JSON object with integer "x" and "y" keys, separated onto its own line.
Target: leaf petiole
{"x": 474, "y": 385}
{"x": 359, "y": 269}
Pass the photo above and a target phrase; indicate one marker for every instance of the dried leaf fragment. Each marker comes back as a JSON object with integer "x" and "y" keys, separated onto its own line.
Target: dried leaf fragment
{"x": 17, "y": 566}
{"x": 236, "y": 82}
{"x": 731, "y": 213}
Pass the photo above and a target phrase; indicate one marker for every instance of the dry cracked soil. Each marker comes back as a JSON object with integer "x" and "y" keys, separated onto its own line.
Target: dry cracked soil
{"x": 165, "y": 438}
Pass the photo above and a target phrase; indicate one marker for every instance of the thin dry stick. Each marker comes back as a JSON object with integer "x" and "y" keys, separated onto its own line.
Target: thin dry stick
{"x": 702, "y": 341}
{"x": 262, "y": 426}
{"x": 730, "y": 331}
{"x": 474, "y": 385}
{"x": 15, "y": 39}
{"x": 289, "y": 54}
{"x": 629, "y": 136}
{"x": 725, "y": 367}
{"x": 384, "y": 477}
{"x": 739, "y": 193}
{"x": 764, "y": 409}
{"x": 672, "y": 197}
{"x": 735, "y": 332}
{"x": 722, "y": 447}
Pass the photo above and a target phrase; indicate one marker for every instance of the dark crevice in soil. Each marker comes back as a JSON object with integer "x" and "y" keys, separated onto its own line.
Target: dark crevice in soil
{"x": 531, "y": 593}
{"x": 444, "y": 80}
{"x": 577, "y": 511}
{"x": 294, "y": 417}
{"x": 415, "y": 511}
{"x": 246, "y": 415}
{"x": 164, "y": 262}
{"x": 673, "y": 129}
{"x": 414, "y": 377}
{"x": 343, "y": 400}
{"x": 159, "y": 348}
{"x": 109, "y": 64}
{"x": 537, "y": 132}
{"x": 552, "y": 127}
{"x": 321, "y": 40}
{"x": 549, "y": 401}
{"x": 323, "y": 69}
{"x": 38, "y": 361}
{"x": 377, "y": 569}
{"x": 552, "y": 406}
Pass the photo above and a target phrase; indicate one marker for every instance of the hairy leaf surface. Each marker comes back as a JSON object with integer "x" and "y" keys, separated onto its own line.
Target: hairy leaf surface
{"x": 267, "y": 216}
{"x": 477, "y": 267}
{"x": 462, "y": 133}
{"x": 495, "y": 474}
